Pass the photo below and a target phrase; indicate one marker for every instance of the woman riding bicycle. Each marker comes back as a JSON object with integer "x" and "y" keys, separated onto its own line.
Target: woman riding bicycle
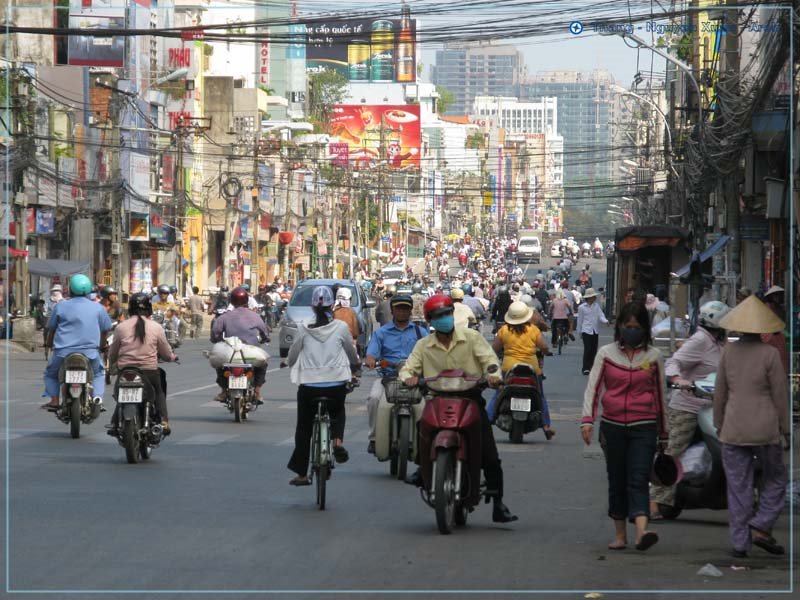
{"x": 560, "y": 312}
{"x": 323, "y": 359}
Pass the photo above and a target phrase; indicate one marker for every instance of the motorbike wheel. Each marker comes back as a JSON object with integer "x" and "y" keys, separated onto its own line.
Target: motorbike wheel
{"x": 237, "y": 410}
{"x": 444, "y": 491}
{"x": 130, "y": 441}
{"x": 403, "y": 449}
{"x": 322, "y": 480}
{"x": 75, "y": 418}
{"x": 393, "y": 464}
{"x": 145, "y": 450}
{"x": 517, "y": 431}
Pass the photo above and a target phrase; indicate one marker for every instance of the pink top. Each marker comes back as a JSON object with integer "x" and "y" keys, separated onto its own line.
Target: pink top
{"x": 561, "y": 308}
{"x": 127, "y": 351}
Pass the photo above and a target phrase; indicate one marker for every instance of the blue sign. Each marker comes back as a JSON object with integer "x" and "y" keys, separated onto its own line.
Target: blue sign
{"x": 576, "y": 28}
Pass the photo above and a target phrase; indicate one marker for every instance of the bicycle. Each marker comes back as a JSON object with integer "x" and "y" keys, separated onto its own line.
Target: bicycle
{"x": 561, "y": 332}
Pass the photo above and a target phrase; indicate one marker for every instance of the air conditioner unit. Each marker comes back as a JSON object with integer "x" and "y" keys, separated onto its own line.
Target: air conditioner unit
{"x": 116, "y": 248}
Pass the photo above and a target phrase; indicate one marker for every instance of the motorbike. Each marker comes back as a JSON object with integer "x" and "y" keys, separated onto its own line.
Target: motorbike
{"x": 396, "y": 436}
{"x": 238, "y": 372}
{"x": 138, "y": 425}
{"x": 170, "y": 329}
{"x": 78, "y": 403}
{"x": 450, "y": 448}
{"x": 709, "y": 491}
{"x": 519, "y": 404}
{"x": 597, "y": 253}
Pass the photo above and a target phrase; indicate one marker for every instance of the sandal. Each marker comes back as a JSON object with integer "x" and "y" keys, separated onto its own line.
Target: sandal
{"x": 648, "y": 540}
{"x": 766, "y": 542}
{"x": 617, "y": 545}
{"x": 300, "y": 481}
{"x": 549, "y": 434}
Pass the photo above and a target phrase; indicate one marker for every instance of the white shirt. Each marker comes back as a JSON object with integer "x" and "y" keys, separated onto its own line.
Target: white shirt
{"x": 589, "y": 318}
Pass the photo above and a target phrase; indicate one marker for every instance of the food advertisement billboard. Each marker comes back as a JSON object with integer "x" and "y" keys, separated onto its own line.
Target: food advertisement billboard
{"x": 366, "y": 128}
{"x": 380, "y": 49}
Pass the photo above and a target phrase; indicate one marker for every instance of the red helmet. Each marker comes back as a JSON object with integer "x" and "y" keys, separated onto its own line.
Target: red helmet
{"x": 564, "y": 284}
{"x": 239, "y": 297}
{"x": 436, "y": 305}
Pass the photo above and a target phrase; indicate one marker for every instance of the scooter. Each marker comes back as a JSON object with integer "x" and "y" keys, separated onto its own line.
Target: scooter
{"x": 78, "y": 404}
{"x": 396, "y": 435}
{"x": 450, "y": 448}
{"x": 137, "y": 426}
{"x": 519, "y": 404}
{"x": 709, "y": 492}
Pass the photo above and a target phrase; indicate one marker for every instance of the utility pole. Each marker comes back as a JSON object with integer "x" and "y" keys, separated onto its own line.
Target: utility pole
{"x": 178, "y": 196}
{"x": 255, "y": 254}
{"x": 117, "y": 205}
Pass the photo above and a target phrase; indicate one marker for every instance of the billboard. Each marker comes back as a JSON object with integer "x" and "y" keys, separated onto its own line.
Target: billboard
{"x": 95, "y": 15}
{"x": 379, "y": 49}
{"x": 364, "y": 128}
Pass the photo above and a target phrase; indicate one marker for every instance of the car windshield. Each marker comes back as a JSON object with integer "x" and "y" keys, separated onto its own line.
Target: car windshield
{"x": 393, "y": 273}
{"x": 302, "y": 295}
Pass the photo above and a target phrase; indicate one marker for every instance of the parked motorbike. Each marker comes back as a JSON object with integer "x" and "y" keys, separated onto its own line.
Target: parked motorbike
{"x": 396, "y": 436}
{"x": 78, "y": 404}
{"x": 138, "y": 425}
{"x": 519, "y": 404}
{"x": 710, "y": 491}
{"x": 450, "y": 448}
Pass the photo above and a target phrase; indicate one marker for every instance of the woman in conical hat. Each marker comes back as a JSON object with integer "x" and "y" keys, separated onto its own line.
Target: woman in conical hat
{"x": 751, "y": 415}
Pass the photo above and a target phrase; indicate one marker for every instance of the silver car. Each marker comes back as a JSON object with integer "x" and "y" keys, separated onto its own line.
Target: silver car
{"x": 299, "y": 311}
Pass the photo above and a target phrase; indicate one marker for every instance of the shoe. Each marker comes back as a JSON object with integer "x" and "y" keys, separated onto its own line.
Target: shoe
{"x": 165, "y": 428}
{"x": 50, "y": 407}
{"x": 371, "y": 447}
{"x": 572, "y": 337}
{"x": 221, "y": 397}
{"x": 340, "y": 454}
{"x": 501, "y": 514}
{"x": 586, "y": 371}
{"x": 738, "y": 553}
{"x": 415, "y": 479}
{"x": 648, "y": 540}
{"x": 300, "y": 481}
{"x": 767, "y": 542}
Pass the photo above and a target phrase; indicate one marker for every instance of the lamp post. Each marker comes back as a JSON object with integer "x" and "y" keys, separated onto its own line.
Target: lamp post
{"x": 640, "y": 43}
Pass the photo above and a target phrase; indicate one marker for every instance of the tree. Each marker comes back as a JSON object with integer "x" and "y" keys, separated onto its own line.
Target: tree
{"x": 327, "y": 89}
{"x": 446, "y": 99}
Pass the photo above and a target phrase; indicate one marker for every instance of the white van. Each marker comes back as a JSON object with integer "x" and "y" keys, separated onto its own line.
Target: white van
{"x": 529, "y": 250}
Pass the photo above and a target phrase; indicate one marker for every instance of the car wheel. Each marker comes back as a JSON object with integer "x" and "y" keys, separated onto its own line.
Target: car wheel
{"x": 284, "y": 352}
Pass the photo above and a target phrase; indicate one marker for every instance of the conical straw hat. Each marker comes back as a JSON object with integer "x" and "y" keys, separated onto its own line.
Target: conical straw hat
{"x": 752, "y": 316}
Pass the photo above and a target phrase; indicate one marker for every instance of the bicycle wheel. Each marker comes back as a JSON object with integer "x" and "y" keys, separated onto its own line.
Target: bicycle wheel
{"x": 322, "y": 480}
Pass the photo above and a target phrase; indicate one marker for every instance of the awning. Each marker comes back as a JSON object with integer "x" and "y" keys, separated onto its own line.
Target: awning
{"x": 54, "y": 267}
{"x": 705, "y": 254}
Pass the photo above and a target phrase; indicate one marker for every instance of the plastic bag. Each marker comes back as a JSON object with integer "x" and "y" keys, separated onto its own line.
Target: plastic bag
{"x": 661, "y": 329}
{"x": 696, "y": 461}
{"x": 228, "y": 351}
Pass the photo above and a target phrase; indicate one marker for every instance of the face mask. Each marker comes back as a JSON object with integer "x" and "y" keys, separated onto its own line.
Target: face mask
{"x": 632, "y": 337}
{"x": 344, "y": 302}
{"x": 444, "y": 324}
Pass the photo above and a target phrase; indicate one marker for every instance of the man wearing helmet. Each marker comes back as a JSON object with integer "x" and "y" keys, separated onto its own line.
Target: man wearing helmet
{"x": 165, "y": 304}
{"x": 111, "y": 303}
{"x": 393, "y": 342}
{"x": 383, "y": 314}
{"x": 76, "y": 325}
{"x": 463, "y": 315}
{"x": 465, "y": 349}
{"x": 697, "y": 357}
{"x": 248, "y": 326}
{"x": 221, "y": 301}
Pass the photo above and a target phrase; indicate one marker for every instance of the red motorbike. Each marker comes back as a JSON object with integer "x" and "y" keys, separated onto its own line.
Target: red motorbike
{"x": 450, "y": 447}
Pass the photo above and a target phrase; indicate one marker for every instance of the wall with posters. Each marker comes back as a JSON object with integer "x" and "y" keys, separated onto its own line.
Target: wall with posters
{"x": 381, "y": 49}
{"x": 359, "y": 127}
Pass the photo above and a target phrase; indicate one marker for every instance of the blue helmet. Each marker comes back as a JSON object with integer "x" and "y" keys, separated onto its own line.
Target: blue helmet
{"x": 467, "y": 289}
{"x": 80, "y": 285}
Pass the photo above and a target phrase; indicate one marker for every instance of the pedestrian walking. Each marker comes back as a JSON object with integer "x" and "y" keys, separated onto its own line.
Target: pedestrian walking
{"x": 751, "y": 414}
{"x": 197, "y": 309}
{"x": 590, "y": 316}
{"x": 627, "y": 380}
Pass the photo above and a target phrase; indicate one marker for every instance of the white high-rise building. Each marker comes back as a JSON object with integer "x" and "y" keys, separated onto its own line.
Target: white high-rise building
{"x": 515, "y": 116}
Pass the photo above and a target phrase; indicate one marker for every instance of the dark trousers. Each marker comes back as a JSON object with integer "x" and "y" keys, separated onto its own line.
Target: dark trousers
{"x": 629, "y": 453}
{"x": 590, "y": 341}
{"x": 157, "y": 379}
{"x": 490, "y": 460}
{"x": 306, "y": 411}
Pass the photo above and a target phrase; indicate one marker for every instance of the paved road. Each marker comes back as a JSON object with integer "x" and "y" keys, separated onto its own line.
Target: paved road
{"x": 213, "y": 509}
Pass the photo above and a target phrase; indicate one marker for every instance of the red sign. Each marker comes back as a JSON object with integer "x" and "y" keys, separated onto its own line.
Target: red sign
{"x": 263, "y": 64}
{"x": 167, "y": 172}
{"x": 178, "y": 117}
{"x": 341, "y": 153}
{"x": 179, "y": 57}
{"x": 192, "y": 34}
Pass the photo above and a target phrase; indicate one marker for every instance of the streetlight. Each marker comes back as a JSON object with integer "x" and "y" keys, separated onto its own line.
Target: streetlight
{"x": 678, "y": 63}
{"x": 621, "y": 90}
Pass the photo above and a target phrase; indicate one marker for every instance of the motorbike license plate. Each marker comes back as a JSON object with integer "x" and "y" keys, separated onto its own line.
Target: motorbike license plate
{"x": 130, "y": 395}
{"x": 75, "y": 377}
{"x": 521, "y": 404}
{"x": 237, "y": 383}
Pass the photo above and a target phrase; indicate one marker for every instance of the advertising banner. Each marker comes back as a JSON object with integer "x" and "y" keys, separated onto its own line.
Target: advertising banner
{"x": 157, "y": 224}
{"x": 45, "y": 221}
{"x": 96, "y": 15}
{"x": 379, "y": 49}
{"x": 138, "y": 224}
{"x": 368, "y": 128}
{"x": 341, "y": 154}
{"x": 139, "y": 181}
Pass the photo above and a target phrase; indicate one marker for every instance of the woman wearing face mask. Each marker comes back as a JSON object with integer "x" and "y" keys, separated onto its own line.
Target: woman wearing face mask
{"x": 627, "y": 380}
{"x": 697, "y": 357}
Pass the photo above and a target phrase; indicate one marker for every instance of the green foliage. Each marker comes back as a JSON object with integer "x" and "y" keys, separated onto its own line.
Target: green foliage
{"x": 327, "y": 88}
{"x": 475, "y": 140}
{"x": 684, "y": 46}
{"x": 446, "y": 99}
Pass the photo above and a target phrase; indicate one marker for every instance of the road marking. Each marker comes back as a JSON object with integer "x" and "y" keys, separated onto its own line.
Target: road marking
{"x": 286, "y": 442}
{"x": 209, "y": 386}
{"x": 100, "y": 438}
{"x": 207, "y": 439}
{"x": 287, "y": 405}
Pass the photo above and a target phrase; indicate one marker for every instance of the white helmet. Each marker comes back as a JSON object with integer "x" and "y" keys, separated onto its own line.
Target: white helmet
{"x": 712, "y": 312}
{"x": 344, "y": 293}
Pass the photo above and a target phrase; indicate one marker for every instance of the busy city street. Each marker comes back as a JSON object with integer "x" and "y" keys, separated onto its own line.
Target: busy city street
{"x": 212, "y": 508}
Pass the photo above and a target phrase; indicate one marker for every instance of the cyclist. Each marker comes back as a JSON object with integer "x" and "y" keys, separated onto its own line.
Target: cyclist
{"x": 466, "y": 349}
{"x": 139, "y": 342}
{"x": 76, "y": 325}
{"x": 393, "y": 342}
{"x": 560, "y": 312}
{"x": 243, "y": 323}
{"x": 323, "y": 360}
